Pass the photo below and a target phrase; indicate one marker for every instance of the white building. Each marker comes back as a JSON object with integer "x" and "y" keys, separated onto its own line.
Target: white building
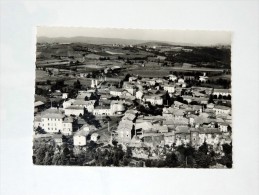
{"x": 53, "y": 121}
{"x": 116, "y": 92}
{"x": 89, "y": 105}
{"x": 169, "y": 88}
{"x": 223, "y": 127}
{"x": 101, "y": 110}
{"x": 79, "y": 138}
{"x": 74, "y": 110}
{"x": 154, "y": 100}
{"x": 67, "y": 126}
{"x": 68, "y": 103}
{"x": 95, "y": 137}
{"x": 139, "y": 95}
{"x": 94, "y": 83}
{"x": 221, "y": 109}
{"x": 203, "y": 78}
{"x": 172, "y": 77}
{"x": 181, "y": 80}
{"x": 223, "y": 92}
{"x": 64, "y": 95}
{"x": 117, "y": 107}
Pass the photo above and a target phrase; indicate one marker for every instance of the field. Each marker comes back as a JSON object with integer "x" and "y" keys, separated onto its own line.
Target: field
{"x": 158, "y": 71}
{"x": 43, "y": 76}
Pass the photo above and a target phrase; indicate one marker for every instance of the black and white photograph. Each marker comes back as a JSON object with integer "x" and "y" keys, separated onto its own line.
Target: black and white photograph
{"x": 132, "y": 98}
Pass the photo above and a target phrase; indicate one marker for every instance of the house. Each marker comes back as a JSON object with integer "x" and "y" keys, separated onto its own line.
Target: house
{"x": 154, "y": 99}
{"x": 133, "y": 79}
{"x": 178, "y": 114}
{"x": 139, "y": 94}
{"x": 101, "y": 110}
{"x": 172, "y": 77}
{"x": 67, "y": 126}
{"x": 116, "y": 92}
{"x": 130, "y": 115}
{"x": 210, "y": 135}
{"x": 210, "y": 106}
{"x": 169, "y": 138}
{"x": 74, "y": 110}
{"x": 223, "y": 127}
{"x": 68, "y": 103}
{"x": 169, "y": 88}
{"x": 79, "y": 138}
{"x": 181, "y": 80}
{"x": 64, "y": 95}
{"x": 117, "y": 107}
{"x": 221, "y": 109}
{"x": 195, "y": 142}
{"x": 187, "y": 98}
{"x": 223, "y": 92}
{"x": 58, "y": 139}
{"x": 162, "y": 58}
{"x": 95, "y": 137}
{"x": 130, "y": 87}
{"x": 124, "y": 130}
{"x": 84, "y": 94}
{"x": 37, "y": 121}
{"x": 188, "y": 77}
{"x": 57, "y": 94}
{"x": 38, "y": 105}
{"x": 153, "y": 139}
{"x": 89, "y": 105}
{"x": 54, "y": 121}
{"x": 182, "y": 135}
{"x": 203, "y": 78}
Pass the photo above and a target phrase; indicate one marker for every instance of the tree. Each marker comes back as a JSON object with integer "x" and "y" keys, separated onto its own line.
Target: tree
{"x": 77, "y": 84}
{"x": 204, "y": 148}
{"x": 227, "y": 149}
{"x": 171, "y": 160}
{"x": 211, "y": 99}
{"x": 40, "y": 130}
{"x": 202, "y": 160}
{"x": 40, "y": 155}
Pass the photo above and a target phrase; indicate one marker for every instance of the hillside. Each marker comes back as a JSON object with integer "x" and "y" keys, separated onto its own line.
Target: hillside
{"x": 89, "y": 40}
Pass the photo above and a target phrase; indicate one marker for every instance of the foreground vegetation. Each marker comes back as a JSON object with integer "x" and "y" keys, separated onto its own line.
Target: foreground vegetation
{"x": 98, "y": 155}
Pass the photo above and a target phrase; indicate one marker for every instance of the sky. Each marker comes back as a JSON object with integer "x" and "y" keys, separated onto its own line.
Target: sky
{"x": 177, "y": 36}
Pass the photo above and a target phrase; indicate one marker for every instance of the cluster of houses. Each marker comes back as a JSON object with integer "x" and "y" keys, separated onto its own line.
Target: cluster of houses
{"x": 181, "y": 123}
{"x": 194, "y": 120}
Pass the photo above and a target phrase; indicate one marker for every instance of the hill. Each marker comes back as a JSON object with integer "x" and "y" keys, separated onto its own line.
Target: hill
{"x": 89, "y": 40}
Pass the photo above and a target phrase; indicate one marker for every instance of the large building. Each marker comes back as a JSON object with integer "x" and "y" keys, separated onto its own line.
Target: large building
{"x": 54, "y": 121}
{"x": 223, "y": 92}
{"x": 154, "y": 99}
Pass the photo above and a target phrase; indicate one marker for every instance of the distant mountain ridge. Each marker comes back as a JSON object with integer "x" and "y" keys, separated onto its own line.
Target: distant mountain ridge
{"x": 101, "y": 41}
{"x": 89, "y": 40}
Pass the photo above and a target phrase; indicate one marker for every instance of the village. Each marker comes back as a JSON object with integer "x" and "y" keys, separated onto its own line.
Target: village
{"x": 146, "y": 118}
